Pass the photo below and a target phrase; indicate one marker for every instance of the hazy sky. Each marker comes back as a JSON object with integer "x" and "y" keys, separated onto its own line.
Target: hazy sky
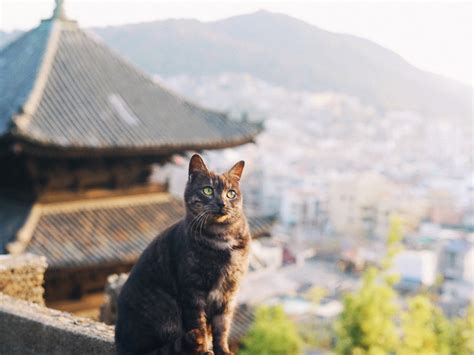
{"x": 434, "y": 36}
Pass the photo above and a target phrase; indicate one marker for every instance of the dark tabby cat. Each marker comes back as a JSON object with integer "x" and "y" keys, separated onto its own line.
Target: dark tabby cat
{"x": 180, "y": 295}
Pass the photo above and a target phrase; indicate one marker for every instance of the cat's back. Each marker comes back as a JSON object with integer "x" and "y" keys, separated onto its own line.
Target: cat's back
{"x": 154, "y": 268}
{"x": 147, "y": 302}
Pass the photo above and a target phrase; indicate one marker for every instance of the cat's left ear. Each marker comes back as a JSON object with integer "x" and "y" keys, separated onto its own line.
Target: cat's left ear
{"x": 236, "y": 170}
{"x": 197, "y": 165}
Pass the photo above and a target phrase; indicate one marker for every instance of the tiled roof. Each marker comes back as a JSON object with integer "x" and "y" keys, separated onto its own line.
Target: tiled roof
{"x": 261, "y": 226}
{"x": 109, "y": 231}
{"x": 65, "y": 90}
{"x": 95, "y": 232}
{"x": 19, "y": 65}
{"x": 241, "y": 323}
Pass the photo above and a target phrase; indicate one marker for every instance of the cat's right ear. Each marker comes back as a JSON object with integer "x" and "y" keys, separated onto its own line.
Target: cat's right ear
{"x": 197, "y": 165}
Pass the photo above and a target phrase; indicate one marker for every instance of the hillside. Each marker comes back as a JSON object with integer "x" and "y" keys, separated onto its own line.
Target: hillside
{"x": 285, "y": 51}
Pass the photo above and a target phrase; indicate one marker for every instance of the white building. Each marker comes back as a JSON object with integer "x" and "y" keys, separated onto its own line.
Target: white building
{"x": 417, "y": 267}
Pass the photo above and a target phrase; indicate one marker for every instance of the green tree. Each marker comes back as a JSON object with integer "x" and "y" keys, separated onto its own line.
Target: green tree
{"x": 315, "y": 334}
{"x": 425, "y": 329}
{"x": 367, "y": 323}
{"x": 271, "y": 333}
{"x": 462, "y": 340}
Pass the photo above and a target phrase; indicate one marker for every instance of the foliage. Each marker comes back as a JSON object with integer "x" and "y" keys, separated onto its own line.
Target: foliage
{"x": 367, "y": 323}
{"x": 394, "y": 237}
{"x": 462, "y": 340}
{"x": 316, "y": 335}
{"x": 315, "y": 295}
{"x": 271, "y": 333}
{"x": 425, "y": 329}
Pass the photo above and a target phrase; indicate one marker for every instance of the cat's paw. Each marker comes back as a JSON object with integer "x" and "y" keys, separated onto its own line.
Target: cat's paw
{"x": 192, "y": 342}
{"x": 195, "y": 337}
{"x": 222, "y": 349}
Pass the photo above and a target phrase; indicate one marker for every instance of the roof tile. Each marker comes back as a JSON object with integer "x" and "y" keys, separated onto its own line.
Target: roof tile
{"x": 93, "y": 99}
{"x": 106, "y": 231}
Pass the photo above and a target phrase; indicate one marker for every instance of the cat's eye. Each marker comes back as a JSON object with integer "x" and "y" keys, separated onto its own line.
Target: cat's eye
{"x": 231, "y": 194}
{"x": 207, "y": 190}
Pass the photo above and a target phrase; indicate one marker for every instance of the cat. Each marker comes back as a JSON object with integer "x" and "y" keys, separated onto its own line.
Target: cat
{"x": 180, "y": 295}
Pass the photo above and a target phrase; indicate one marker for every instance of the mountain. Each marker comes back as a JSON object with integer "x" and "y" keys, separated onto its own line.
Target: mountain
{"x": 286, "y": 51}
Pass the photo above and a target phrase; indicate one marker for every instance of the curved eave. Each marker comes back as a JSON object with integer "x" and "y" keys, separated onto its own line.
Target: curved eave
{"x": 98, "y": 116}
{"x": 20, "y": 144}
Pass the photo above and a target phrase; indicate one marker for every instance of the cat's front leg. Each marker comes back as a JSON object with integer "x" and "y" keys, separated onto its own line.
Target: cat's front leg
{"x": 220, "y": 331}
{"x": 195, "y": 326}
{"x": 195, "y": 344}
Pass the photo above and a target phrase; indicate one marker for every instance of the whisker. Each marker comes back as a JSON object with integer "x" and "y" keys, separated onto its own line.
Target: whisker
{"x": 198, "y": 220}
{"x": 204, "y": 221}
{"x": 195, "y": 220}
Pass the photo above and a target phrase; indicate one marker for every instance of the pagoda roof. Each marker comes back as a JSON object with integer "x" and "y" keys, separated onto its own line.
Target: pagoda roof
{"x": 96, "y": 232}
{"x": 64, "y": 92}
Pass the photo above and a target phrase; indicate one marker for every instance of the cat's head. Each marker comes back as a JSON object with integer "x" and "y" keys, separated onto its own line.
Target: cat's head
{"x": 214, "y": 197}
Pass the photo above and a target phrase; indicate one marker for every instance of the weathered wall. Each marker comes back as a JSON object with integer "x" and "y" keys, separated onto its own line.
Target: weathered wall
{"x": 27, "y": 328}
{"x": 22, "y": 276}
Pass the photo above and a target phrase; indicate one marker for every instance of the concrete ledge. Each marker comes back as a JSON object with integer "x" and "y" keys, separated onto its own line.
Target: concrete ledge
{"x": 27, "y": 328}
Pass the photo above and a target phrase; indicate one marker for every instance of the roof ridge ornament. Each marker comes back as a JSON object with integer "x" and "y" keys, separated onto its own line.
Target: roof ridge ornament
{"x": 59, "y": 10}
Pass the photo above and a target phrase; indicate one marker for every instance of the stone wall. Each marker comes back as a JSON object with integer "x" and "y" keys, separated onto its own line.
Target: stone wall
{"x": 28, "y": 328}
{"x": 22, "y": 276}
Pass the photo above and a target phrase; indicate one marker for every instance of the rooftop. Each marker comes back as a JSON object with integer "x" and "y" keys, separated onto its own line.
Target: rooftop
{"x": 64, "y": 92}
{"x": 99, "y": 231}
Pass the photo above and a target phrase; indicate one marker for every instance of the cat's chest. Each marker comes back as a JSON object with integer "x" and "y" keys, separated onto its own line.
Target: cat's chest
{"x": 216, "y": 294}
{"x": 225, "y": 243}
{"x": 218, "y": 264}
{"x": 226, "y": 281}
{"x": 223, "y": 286}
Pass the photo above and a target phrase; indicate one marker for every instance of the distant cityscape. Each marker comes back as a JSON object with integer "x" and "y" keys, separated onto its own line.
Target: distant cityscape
{"x": 333, "y": 171}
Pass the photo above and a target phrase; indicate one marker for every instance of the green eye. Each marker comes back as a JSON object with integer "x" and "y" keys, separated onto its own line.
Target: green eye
{"x": 208, "y": 191}
{"x": 231, "y": 194}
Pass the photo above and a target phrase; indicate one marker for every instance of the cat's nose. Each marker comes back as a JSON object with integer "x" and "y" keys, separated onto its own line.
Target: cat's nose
{"x": 220, "y": 205}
